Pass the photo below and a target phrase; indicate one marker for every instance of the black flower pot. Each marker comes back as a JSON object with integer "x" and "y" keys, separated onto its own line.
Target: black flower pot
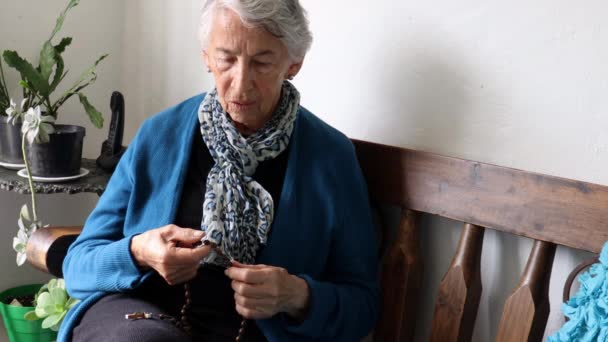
{"x": 10, "y": 142}
{"x": 61, "y": 156}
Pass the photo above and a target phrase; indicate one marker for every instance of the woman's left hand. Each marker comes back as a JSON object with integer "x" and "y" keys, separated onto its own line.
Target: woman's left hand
{"x": 261, "y": 291}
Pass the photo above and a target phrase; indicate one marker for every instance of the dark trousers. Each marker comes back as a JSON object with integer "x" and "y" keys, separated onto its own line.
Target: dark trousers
{"x": 212, "y": 314}
{"x": 105, "y": 321}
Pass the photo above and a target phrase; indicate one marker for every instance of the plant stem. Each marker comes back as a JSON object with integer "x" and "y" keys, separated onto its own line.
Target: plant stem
{"x": 29, "y": 178}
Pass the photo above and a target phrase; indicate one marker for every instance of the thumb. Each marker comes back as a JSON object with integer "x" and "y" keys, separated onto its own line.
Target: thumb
{"x": 194, "y": 254}
{"x": 187, "y": 236}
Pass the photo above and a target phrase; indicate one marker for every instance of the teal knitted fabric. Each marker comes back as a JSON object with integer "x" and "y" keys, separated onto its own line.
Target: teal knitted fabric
{"x": 587, "y": 311}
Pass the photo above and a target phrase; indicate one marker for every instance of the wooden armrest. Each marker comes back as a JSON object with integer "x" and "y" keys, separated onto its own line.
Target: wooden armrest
{"x": 47, "y": 248}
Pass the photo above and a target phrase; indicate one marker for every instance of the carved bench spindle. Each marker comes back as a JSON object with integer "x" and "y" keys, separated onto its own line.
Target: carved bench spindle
{"x": 527, "y": 309}
{"x": 460, "y": 290}
{"x": 401, "y": 276}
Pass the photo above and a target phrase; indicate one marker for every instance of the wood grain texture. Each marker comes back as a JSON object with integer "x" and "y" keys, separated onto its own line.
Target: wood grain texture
{"x": 401, "y": 277}
{"x": 540, "y": 207}
{"x": 527, "y": 309}
{"x": 460, "y": 290}
{"x": 41, "y": 241}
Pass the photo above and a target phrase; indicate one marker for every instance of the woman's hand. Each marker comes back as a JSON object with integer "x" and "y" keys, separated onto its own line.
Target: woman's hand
{"x": 262, "y": 291}
{"x": 170, "y": 251}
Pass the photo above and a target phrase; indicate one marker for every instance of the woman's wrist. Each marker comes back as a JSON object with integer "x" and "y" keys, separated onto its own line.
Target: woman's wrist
{"x": 136, "y": 251}
{"x": 297, "y": 308}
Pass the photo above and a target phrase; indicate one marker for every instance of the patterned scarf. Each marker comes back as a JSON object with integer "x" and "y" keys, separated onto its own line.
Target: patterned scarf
{"x": 237, "y": 210}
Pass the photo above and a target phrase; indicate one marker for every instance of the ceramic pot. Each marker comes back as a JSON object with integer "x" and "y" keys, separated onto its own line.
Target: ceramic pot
{"x": 10, "y": 142}
{"x": 61, "y": 156}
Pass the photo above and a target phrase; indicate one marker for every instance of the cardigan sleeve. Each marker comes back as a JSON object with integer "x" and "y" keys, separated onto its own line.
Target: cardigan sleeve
{"x": 100, "y": 259}
{"x": 344, "y": 303}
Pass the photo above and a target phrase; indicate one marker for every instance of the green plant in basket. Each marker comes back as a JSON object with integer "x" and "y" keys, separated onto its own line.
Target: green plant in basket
{"x": 52, "y": 303}
{"x": 40, "y": 82}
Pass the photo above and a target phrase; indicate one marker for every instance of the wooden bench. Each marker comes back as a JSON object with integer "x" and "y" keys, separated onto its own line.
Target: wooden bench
{"x": 550, "y": 210}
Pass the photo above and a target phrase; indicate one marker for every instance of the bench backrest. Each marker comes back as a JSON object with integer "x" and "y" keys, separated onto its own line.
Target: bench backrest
{"x": 550, "y": 210}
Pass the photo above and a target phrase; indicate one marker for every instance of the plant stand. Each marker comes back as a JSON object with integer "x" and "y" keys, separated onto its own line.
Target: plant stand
{"x": 95, "y": 181}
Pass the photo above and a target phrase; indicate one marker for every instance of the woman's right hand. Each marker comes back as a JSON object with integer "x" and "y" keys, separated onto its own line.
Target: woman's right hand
{"x": 170, "y": 251}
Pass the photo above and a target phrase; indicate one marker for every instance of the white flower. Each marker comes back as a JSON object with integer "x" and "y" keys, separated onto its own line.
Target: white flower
{"x": 27, "y": 227}
{"x": 36, "y": 126}
{"x": 19, "y": 244}
{"x": 15, "y": 113}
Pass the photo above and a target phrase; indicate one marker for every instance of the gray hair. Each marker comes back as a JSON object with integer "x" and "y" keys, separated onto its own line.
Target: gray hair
{"x": 284, "y": 19}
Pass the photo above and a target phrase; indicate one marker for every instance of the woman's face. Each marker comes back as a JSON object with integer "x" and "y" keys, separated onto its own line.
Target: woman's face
{"x": 249, "y": 66}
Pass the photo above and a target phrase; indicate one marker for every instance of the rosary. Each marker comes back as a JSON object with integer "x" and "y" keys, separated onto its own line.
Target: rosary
{"x": 183, "y": 323}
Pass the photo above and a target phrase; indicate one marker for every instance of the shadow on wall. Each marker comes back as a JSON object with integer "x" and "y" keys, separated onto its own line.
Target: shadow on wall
{"x": 435, "y": 94}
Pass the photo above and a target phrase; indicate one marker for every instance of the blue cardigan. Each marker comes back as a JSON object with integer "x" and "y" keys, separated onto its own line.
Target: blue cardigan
{"x": 322, "y": 231}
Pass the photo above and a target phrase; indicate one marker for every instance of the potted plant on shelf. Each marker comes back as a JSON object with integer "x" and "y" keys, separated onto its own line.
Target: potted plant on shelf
{"x": 61, "y": 156}
{"x": 10, "y": 133}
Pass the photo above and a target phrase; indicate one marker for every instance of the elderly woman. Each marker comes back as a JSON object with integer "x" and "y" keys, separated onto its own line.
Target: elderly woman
{"x": 237, "y": 213}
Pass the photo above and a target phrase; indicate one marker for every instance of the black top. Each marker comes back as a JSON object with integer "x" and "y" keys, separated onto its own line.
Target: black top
{"x": 212, "y": 314}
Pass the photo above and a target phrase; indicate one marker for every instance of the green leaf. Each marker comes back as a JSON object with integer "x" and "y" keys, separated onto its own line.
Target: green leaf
{"x": 19, "y": 248}
{"x": 44, "y": 300}
{"x": 53, "y": 320}
{"x": 59, "y": 74}
{"x": 48, "y": 285}
{"x": 28, "y": 72}
{"x": 65, "y": 42}
{"x": 61, "y": 19}
{"x": 47, "y": 60}
{"x": 71, "y": 302}
{"x": 59, "y": 296}
{"x": 31, "y": 316}
{"x": 57, "y": 325}
{"x": 94, "y": 114}
{"x": 90, "y": 72}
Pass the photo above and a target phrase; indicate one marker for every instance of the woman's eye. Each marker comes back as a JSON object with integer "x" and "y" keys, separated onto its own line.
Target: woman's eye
{"x": 224, "y": 60}
{"x": 262, "y": 66}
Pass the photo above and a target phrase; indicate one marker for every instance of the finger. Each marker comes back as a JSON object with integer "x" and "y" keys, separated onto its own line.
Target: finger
{"x": 185, "y": 236}
{"x": 248, "y": 290}
{"x": 259, "y": 304}
{"x": 246, "y": 275}
{"x": 238, "y": 264}
{"x": 251, "y": 314}
{"x": 181, "y": 276}
{"x": 190, "y": 255}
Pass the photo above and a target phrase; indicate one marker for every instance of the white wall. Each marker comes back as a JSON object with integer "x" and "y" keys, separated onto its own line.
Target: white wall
{"x": 516, "y": 83}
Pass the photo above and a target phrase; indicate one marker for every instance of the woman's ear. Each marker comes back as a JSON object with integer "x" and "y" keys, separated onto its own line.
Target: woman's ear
{"x": 206, "y": 60}
{"x": 293, "y": 70}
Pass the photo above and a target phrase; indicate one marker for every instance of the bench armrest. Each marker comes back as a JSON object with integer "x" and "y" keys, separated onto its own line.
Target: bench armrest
{"x": 47, "y": 248}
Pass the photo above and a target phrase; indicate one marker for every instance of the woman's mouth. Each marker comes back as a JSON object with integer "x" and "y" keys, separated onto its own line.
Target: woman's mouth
{"x": 242, "y": 105}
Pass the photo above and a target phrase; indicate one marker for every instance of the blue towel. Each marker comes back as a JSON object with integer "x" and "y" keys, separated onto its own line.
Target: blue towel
{"x": 588, "y": 309}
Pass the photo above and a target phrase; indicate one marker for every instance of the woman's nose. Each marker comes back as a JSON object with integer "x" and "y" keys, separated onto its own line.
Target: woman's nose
{"x": 244, "y": 78}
